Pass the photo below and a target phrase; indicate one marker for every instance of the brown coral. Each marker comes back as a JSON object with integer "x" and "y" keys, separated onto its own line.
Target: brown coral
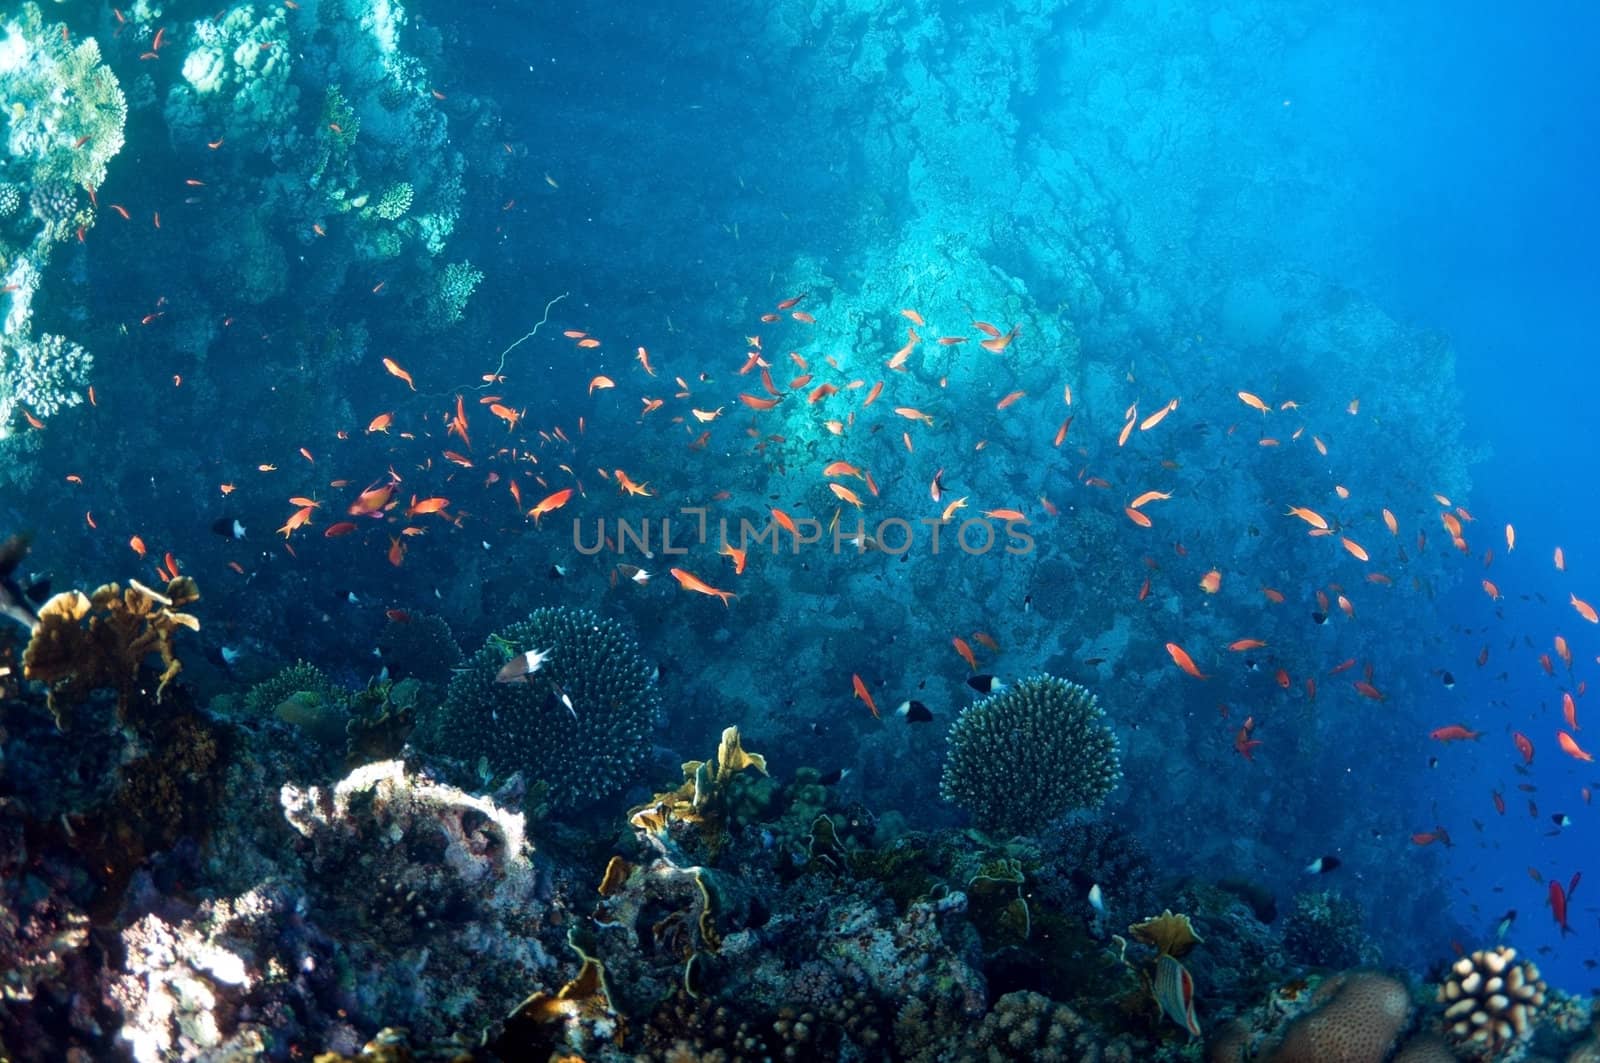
{"x": 89, "y": 642}
{"x": 700, "y": 799}
{"x": 1171, "y": 934}
{"x": 1363, "y": 1013}
{"x": 1490, "y": 1000}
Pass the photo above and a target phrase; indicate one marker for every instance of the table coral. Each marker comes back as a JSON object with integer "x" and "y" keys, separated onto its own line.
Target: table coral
{"x": 88, "y": 642}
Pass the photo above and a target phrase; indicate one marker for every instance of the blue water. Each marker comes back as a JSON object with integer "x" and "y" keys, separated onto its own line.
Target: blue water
{"x": 1172, "y": 203}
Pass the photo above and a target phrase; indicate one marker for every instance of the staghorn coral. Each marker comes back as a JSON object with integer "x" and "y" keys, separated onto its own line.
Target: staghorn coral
{"x": 264, "y": 698}
{"x": 1491, "y": 1001}
{"x": 1356, "y": 1018}
{"x": 421, "y": 645}
{"x": 394, "y": 202}
{"x": 87, "y": 642}
{"x": 578, "y": 754}
{"x": 41, "y": 376}
{"x": 1023, "y": 756}
{"x": 456, "y": 285}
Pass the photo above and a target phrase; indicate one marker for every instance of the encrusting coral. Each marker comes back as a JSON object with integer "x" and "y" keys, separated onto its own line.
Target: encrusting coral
{"x": 1023, "y": 756}
{"x": 89, "y": 642}
{"x": 1358, "y": 1017}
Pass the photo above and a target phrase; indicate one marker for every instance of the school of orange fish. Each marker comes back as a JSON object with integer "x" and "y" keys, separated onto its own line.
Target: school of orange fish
{"x": 480, "y": 444}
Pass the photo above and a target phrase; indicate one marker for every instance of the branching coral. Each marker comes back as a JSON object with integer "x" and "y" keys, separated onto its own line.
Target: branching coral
{"x": 1021, "y": 757}
{"x": 578, "y": 727}
{"x": 88, "y": 642}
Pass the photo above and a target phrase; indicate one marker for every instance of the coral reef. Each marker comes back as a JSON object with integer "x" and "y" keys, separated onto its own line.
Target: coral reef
{"x": 1325, "y": 930}
{"x": 420, "y": 645}
{"x": 264, "y": 697}
{"x": 455, "y": 286}
{"x": 577, "y": 728}
{"x": 88, "y": 642}
{"x": 1023, "y": 756}
{"x": 1491, "y": 1000}
{"x": 1355, "y": 1018}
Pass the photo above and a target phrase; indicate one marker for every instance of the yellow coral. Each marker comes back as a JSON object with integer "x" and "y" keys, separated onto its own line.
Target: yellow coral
{"x": 88, "y": 642}
{"x": 699, "y": 799}
{"x": 1172, "y": 935}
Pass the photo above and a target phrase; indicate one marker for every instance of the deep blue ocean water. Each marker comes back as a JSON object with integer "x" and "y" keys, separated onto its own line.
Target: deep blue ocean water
{"x": 1175, "y": 200}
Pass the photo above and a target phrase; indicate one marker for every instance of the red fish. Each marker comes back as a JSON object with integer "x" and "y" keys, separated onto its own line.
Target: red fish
{"x": 1243, "y": 744}
{"x": 1524, "y": 746}
{"x": 1454, "y": 733}
{"x": 1558, "y": 907}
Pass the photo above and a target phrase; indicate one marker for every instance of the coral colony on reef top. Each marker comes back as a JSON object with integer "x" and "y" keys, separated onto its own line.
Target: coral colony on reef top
{"x": 987, "y": 631}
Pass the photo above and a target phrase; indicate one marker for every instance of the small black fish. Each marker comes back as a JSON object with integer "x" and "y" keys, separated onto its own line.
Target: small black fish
{"x": 984, "y": 683}
{"x": 818, "y": 730}
{"x": 1322, "y": 865}
{"x": 558, "y": 572}
{"x": 1449, "y": 680}
{"x": 229, "y": 528}
{"x": 915, "y": 712}
{"x": 1561, "y": 819}
{"x": 1319, "y": 617}
{"x": 1505, "y": 923}
{"x": 1095, "y": 662}
{"x": 832, "y": 778}
{"x": 1027, "y": 603}
{"x": 1433, "y": 762}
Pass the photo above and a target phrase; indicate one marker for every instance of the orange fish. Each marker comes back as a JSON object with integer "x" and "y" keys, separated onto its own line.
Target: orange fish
{"x": 914, "y": 414}
{"x": 1569, "y": 746}
{"x": 1394, "y": 525}
{"x": 1367, "y": 690}
{"x": 966, "y": 652}
{"x": 298, "y": 519}
{"x": 755, "y": 402}
{"x": 644, "y": 360}
{"x": 1272, "y": 595}
{"x": 865, "y": 695}
{"x": 1184, "y": 661}
{"x": 1311, "y": 517}
{"x": 138, "y": 545}
{"x": 1148, "y": 497}
{"x": 1137, "y": 517}
{"x": 846, "y": 494}
{"x": 1006, "y": 515}
{"x": 913, "y": 317}
{"x": 1246, "y": 644}
{"x": 1211, "y": 582}
{"x": 397, "y": 551}
{"x": 1511, "y": 538}
{"x": 1491, "y": 590}
{"x": 738, "y": 555}
{"x": 1254, "y": 402}
{"x": 550, "y": 503}
{"x": 427, "y": 505}
{"x": 1584, "y": 609}
{"x": 872, "y": 396}
{"x": 1009, "y": 399}
{"x": 395, "y": 371}
{"x": 1354, "y": 548}
{"x": 844, "y": 468}
{"x": 380, "y": 423}
{"x": 690, "y": 582}
{"x": 344, "y": 527}
{"x": 1561, "y": 560}
{"x": 600, "y": 383}
{"x": 1569, "y": 710}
